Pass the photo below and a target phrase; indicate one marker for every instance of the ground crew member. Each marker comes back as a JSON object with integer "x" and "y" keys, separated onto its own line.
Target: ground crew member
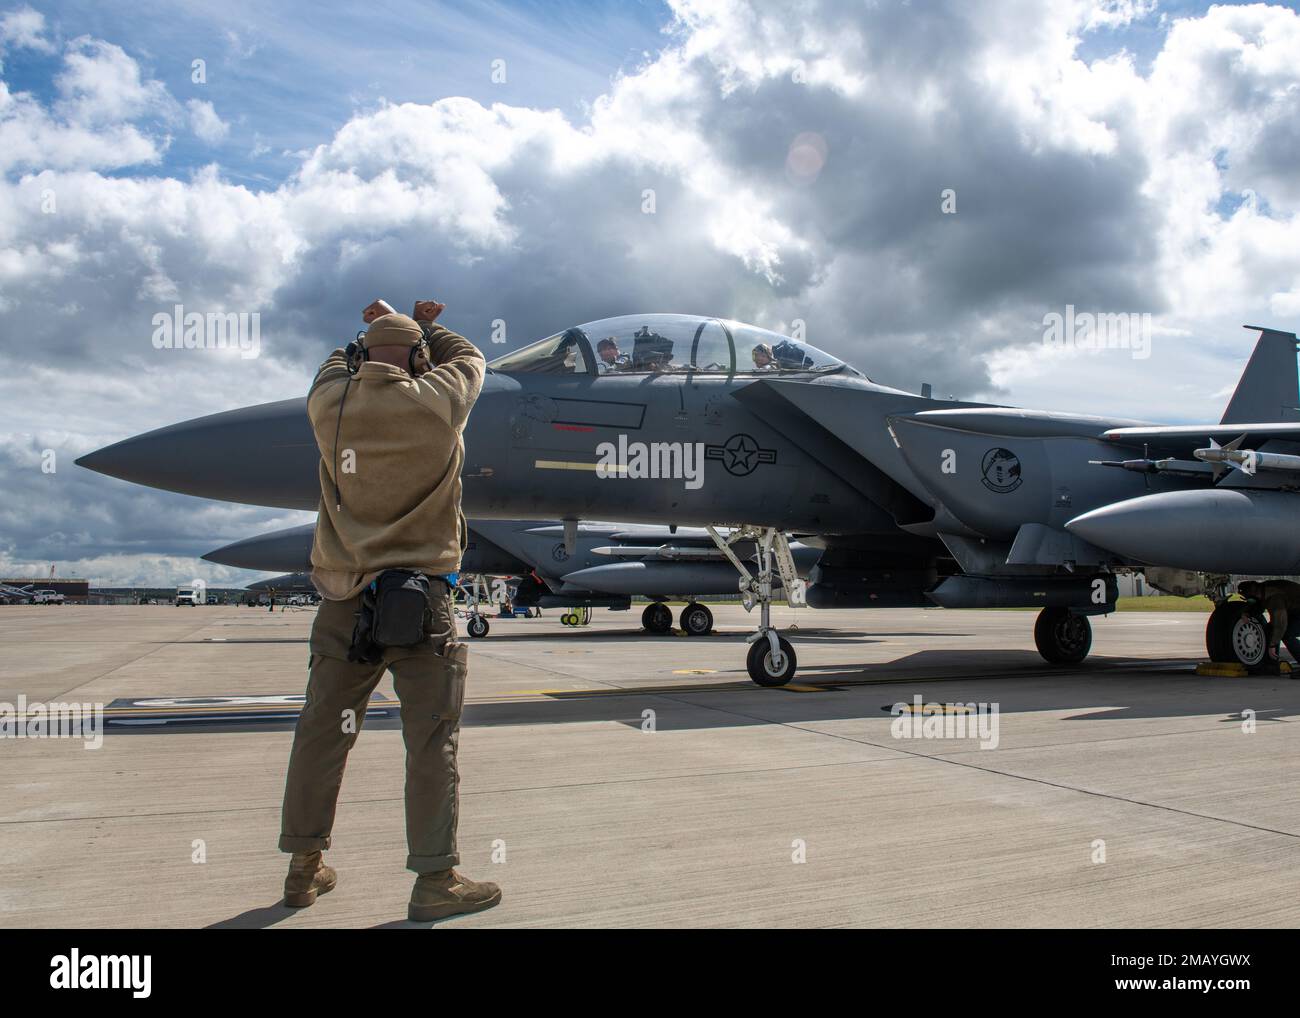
{"x": 1281, "y": 599}
{"x": 391, "y": 453}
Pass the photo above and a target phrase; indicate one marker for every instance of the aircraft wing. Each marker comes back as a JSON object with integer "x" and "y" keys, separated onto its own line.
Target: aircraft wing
{"x": 1193, "y": 436}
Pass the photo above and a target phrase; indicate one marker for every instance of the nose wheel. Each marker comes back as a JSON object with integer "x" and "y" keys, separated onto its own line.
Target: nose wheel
{"x": 478, "y": 626}
{"x": 769, "y": 667}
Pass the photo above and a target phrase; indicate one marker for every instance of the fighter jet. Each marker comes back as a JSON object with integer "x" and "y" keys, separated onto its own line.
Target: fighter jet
{"x": 679, "y": 419}
{"x": 706, "y": 422}
{"x": 590, "y": 565}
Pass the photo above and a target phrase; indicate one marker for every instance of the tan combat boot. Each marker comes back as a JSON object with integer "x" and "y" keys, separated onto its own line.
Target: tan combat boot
{"x": 439, "y": 895}
{"x": 308, "y": 877}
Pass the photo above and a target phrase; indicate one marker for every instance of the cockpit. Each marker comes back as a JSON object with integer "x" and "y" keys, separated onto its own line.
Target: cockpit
{"x": 669, "y": 344}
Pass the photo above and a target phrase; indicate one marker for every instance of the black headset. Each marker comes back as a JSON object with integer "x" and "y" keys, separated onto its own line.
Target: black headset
{"x": 357, "y": 353}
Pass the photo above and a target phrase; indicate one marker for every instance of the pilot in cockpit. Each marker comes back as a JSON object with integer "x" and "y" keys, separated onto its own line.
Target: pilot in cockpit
{"x": 608, "y": 356}
{"x": 764, "y": 360}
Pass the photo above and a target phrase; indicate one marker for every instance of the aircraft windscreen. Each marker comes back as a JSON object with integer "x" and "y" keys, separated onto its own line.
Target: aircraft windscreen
{"x": 668, "y": 344}
{"x": 763, "y": 351}
{"x": 561, "y": 354}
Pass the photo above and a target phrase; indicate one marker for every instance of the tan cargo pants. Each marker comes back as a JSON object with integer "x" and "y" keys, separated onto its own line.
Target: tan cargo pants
{"x": 429, "y": 679}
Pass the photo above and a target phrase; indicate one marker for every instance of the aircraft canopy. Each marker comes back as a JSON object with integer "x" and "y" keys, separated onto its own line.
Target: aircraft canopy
{"x": 668, "y": 344}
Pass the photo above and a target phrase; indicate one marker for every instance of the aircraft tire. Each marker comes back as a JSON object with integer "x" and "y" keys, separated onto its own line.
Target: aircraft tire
{"x": 478, "y": 626}
{"x": 1218, "y": 630}
{"x": 1237, "y": 633}
{"x": 1062, "y": 637}
{"x": 696, "y": 620}
{"x": 759, "y": 662}
{"x": 657, "y": 618}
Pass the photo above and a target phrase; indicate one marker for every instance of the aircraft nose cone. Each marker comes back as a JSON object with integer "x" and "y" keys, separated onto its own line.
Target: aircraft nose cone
{"x": 282, "y": 551}
{"x": 260, "y": 455}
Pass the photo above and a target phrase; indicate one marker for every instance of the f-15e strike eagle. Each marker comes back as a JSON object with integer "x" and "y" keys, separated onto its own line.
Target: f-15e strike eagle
{"x": 705, "y": 422}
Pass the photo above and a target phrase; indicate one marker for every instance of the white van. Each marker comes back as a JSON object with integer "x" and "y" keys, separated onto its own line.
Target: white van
{"x": 187, "y": 595}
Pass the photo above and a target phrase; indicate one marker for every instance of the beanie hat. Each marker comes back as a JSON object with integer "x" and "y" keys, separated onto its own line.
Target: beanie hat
{"x": 393, "y": 330}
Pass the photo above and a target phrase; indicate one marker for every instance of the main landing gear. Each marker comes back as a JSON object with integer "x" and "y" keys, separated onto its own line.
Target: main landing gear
{"x": 657, "y": 618}
{"x": 771, "y": 659}
{"x": 696, "y": 620}
{"x": 1062, "y": 636}
{"x": 1237, "y": 633}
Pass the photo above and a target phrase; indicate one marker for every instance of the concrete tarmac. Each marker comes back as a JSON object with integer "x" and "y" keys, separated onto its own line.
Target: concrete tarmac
{"x": 611, "y": 778}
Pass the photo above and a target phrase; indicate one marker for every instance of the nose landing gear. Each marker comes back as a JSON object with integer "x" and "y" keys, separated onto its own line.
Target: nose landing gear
{"x": 771, "y": 659}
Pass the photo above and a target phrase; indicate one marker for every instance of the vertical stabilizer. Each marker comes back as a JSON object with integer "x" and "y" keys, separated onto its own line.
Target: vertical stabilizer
{"x": 1269, "y": 389}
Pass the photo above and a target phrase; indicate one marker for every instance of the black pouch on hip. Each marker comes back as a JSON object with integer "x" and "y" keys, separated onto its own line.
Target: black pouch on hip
{"x": 401, "y": 607}
{"x": 363, "y": 647}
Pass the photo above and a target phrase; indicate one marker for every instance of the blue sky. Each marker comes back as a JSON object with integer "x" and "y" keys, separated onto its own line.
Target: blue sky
{"x": 285, "y": 76}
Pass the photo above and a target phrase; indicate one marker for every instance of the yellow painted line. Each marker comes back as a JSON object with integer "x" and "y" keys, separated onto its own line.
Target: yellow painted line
{"x": 695, "y": 671}
{"x": 936, "y": 708}
{"x": 613, "y": 468}
{"x": 791, "y": 687}
{"x": 547, "y": 692}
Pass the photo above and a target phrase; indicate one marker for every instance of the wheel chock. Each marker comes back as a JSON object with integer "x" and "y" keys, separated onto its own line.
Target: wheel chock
{"x": 1222, "y": 670}
{"x": 1232, "y": 670}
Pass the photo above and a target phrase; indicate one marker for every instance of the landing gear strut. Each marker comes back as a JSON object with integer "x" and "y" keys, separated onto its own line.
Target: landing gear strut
{"x": 657, "y": 618}
{"x": 771, "y": 659}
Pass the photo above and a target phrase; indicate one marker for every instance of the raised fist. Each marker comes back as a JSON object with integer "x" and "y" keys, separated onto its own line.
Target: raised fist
{"x": 427, "y": 310}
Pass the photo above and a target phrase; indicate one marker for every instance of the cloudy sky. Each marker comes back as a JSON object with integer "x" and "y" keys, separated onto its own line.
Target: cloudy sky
{"x": 296, "y": 160}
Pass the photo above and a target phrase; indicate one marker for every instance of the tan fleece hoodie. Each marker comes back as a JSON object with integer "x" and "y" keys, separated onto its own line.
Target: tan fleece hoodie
{"x": 396, "y": 465}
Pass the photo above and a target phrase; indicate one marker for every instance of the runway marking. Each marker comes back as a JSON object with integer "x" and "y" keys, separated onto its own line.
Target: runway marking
{"x": 176, "y": 710}
{"x": 695, "y": 671}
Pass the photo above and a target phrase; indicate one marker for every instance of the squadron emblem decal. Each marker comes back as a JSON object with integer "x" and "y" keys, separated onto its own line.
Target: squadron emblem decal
{"x": 740, "y": 455}
{"x": 1001, "y": 471}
